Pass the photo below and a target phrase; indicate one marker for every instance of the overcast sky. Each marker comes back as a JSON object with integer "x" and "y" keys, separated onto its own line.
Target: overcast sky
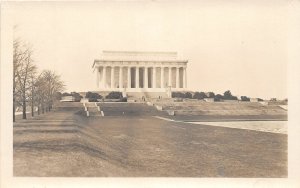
{"x": 236, "y": 46}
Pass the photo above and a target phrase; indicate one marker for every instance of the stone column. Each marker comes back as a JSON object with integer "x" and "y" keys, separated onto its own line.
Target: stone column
{"x": 177, "y": 77}
{"x": 170, "y": 77}
{"x": 104, "y": 77}
{"x": 98, "y": 76}
{"x": 146, "y": 77}
{"x": 128, "y": 77}
{"x": 120, "y": 77}
{"x": 112, "y": 77}
{"x": 184, "y": 78}
{"x": 162, "y": 77}
{"x": 154, "y": 78}
{"x": 137, "y": 80}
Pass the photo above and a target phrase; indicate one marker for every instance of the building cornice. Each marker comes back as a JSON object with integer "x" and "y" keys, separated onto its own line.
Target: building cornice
{"x": 148, "y": 63}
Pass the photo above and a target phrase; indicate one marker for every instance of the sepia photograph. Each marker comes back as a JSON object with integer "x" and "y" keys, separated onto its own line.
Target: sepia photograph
{"x": 146, "y": 89}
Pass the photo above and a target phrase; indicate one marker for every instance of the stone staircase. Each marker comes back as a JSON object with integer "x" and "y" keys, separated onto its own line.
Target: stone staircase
{"x": 92, "y": 110}
{"x": 150, "y": 95}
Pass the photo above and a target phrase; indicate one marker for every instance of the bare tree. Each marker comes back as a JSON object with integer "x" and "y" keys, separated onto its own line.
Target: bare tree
{"x": 53, "y": 84}
{"x": 19, "y": 56}
{"x": 40, "y": 93}
{"x": 27, "y": 86}
{"x": 26, "y": 69}
{"x": 32, "y": 95}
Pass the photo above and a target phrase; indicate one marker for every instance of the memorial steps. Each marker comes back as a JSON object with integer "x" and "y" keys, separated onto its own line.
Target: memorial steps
{"x": 92, "y": 109}
{"x": 139, "y": 95}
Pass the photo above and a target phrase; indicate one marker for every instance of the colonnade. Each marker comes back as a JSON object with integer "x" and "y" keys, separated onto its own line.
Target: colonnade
{"x": 136, "y": 77}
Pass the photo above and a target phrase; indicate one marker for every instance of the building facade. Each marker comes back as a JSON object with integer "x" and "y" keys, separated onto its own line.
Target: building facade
{"x": 140, "y": 71}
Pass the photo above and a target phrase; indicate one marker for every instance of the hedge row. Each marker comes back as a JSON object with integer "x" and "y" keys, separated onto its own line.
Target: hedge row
{"x": 93, "y": 97}
{"x": 201, "y": 95}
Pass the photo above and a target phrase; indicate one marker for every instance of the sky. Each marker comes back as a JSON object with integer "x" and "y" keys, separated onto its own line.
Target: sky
{"x": 232, "y": 45}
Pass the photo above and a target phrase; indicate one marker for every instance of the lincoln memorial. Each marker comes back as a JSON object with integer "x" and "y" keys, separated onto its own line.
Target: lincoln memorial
{"x": 140, "y": 71}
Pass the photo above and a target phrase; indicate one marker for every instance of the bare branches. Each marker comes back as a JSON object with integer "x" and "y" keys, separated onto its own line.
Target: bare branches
{"x": 23, "y": 69}
{"x": 53, "y": 84}
{"x": 40, "y": 89}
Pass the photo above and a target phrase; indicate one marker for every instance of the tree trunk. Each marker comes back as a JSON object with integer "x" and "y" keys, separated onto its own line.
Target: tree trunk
{"x": 39, "y": 111}
{"x": 32, "y": 108}
{"x": 14, "y": 109}
{"x": 24, "y": 107}
{"x": 32, "y": 100}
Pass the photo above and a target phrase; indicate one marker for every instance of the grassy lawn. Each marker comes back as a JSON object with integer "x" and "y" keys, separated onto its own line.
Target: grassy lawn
{"x": 65, "y": 143}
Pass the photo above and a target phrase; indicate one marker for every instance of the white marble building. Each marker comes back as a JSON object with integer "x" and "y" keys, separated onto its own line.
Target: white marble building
{"x": 140, "y": 71}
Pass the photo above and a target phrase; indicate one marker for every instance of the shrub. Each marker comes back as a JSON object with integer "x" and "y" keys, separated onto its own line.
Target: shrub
{"x": 114, "y": 95}
{"x": 218, "y": 97}
{"x": 178, "y": 95}
{"x": 66, "y": 94}
{"x": 229, "y": 96}
{"x": 93, "y": 100}
{"x": 93, "y": 97}
{"x": 182, "y": 95}
{"x": 77, "y": 96}
{"x": 88, "y": 94}
{"x": 245, "y": 98}
{"x": 199, "y": 95}
{"x": 211, "y": 95}
{"x": 188, "y": 95}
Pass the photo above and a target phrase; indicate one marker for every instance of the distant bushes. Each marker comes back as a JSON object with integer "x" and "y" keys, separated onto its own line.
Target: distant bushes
{"x": 182, "y": 95}
{"x": 178, "y": 95}
{"x": 114, "y": 95}
{"x": 244, "y": 98}
{"x": 199, "y": 95}
{"x": 189, "y": 95}
{"x": 77, "y": 96}
{"x": 228, "y": 96}
{"x": 218, "y": 97}
{"x": 202, "y": 95}
{"x": 93, "y": 97}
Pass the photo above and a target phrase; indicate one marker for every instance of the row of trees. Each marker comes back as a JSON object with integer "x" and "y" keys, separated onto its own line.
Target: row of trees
{"x": 29, "y": 86}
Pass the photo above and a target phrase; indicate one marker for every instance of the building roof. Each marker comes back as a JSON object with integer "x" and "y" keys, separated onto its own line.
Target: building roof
{"x": 144, "y": 56}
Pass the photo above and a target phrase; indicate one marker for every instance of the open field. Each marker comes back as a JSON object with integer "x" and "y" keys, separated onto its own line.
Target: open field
{"x": 66, "y": 143}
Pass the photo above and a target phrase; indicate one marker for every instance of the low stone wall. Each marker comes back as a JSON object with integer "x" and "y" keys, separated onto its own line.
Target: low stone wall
{"x": 219, "y": 108}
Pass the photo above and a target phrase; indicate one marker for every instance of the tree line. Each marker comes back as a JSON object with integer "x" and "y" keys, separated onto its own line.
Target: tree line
{"x": 31, "y": 87}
